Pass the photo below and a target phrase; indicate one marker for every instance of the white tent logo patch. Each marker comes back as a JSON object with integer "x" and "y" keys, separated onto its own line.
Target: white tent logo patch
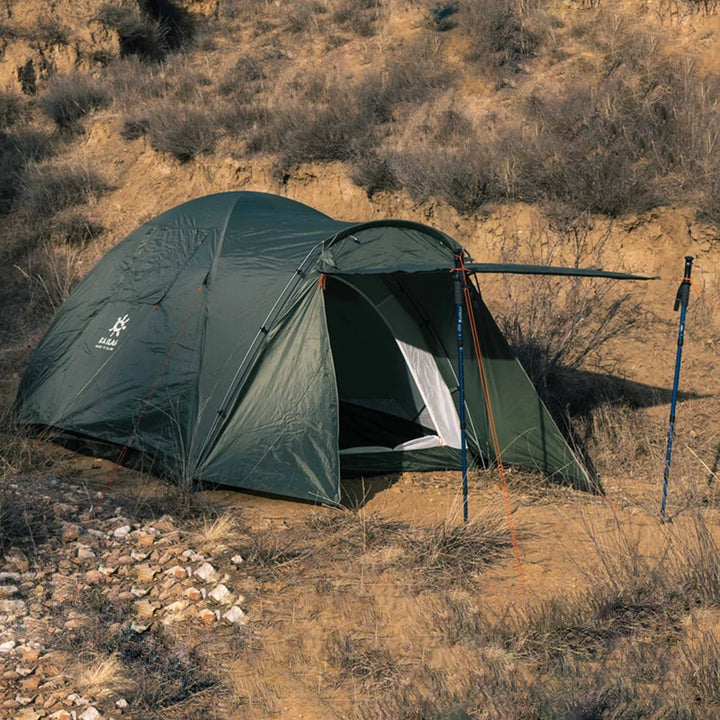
{"x": 109, "y": 342}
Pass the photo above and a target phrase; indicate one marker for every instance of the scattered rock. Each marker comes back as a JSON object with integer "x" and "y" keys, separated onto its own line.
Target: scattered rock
{"x": 235, "y": 616}
{"x": 75, "y": 699}
{"x": 13, "y": 607}
{"x": 220, "y": 594}
{"x": 122, "y": 532}
{"x": 206, "y": 616}
{"x": 176, "y": 607}
{"x": 237, "y": 560}
{"x": 60, "y": 715}
{"x": 70, "y": 532}
{"x": 145, "y": 573}
{"x": 193, "y": 594}
{"x": 7, "y": 647}
{"x": 122, "y": 703}
{"x": 18, "y": 558}
{"x": 205, "y": 571}
{"x": 90, "y": 714}
{"x": 85, "y": 553}
{"x": 145, "y": 609}
{"x": 145, "y": 540}
{"x": 178, "y": 572}
{"x": 164, "y": 524}
{"x": 94, "y": 577}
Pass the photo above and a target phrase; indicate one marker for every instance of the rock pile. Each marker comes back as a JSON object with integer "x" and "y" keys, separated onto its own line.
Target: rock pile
{"x": 148, "y": 569}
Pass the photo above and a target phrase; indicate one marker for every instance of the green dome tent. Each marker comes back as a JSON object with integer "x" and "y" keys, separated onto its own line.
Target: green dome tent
{"x": 248, "y": 340}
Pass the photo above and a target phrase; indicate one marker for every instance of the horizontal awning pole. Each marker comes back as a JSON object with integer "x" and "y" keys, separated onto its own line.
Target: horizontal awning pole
{"x": 517, "y": 269}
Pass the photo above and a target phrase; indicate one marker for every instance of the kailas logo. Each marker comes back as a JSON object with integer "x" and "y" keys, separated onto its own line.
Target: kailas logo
{"x": 109, "y": 342}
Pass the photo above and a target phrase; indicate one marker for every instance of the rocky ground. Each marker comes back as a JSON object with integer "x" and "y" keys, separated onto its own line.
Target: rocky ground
{"x": 88, "y": 583}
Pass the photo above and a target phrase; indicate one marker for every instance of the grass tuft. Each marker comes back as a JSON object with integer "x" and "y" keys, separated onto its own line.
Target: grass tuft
{"x": 71, "y": 97}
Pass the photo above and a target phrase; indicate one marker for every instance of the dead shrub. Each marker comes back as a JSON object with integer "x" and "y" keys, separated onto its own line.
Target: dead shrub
{"x": 183, "y": 132}
{"x": 502, "y": 34}
{"x": 17, "y": 151}
{"x": 23, "y": 524}
{"x": 563, "y": 323}
{"x": 48, "y": 188}
{"x": 362, "y": 659}
{"x": 356, "y": 16}
{"x": 138, "y": 35}
{"x": 51, "y": 272}
{"x": 70, "y": 97}
{"x": 11, "y": 110}
{"x": 49, "y": 31}
{"x": 457, "y": 553}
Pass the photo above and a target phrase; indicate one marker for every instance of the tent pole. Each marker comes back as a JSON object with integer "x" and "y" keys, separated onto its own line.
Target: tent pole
{"x": 460, "y": 280}
{"x": 681, "y": 302}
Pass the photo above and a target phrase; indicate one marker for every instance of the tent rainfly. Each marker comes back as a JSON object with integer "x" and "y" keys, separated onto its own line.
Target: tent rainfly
{"x": 248, "y": 340}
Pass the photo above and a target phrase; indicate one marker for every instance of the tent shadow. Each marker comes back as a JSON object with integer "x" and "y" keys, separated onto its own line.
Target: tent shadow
{"x": 357, "y": 491}
{"x": 575, "y": 394}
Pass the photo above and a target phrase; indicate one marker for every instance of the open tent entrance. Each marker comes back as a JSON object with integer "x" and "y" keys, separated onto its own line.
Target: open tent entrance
{"x": 392, "y": 397}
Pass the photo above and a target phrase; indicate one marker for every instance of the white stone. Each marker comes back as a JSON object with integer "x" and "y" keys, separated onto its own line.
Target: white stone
{"x": 122, "y": 532}
{"x": 237, "y": 560}
{"x": 13, "y": 607}
{"x": 85, "y": 553}
{"x": 90, "y": 714}
{"x": 235, "y": 615}
{"x": 135, "y": 555}
{"x": 138, "y": 628}
{"x": 122, "y": 703}
{"x": 205, "y": 571}
{"x": 76, "y": 699}
{"x": 193, "y": 556}
{"x": 7, "y": 647}
{"x": 139, "y": 592}
{"x": 221, "y": 594}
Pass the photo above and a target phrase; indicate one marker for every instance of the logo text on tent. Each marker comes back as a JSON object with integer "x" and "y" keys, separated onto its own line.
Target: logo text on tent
{"x": 109, "y": 342}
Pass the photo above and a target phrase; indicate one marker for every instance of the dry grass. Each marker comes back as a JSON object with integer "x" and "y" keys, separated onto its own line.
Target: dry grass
{"x": 100, "y": 676}
{"x": 217, "y": 533}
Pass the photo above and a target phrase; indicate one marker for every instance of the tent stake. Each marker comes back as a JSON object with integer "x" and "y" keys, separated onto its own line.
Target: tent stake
{"x": 460, "y": 280}
{"x": 681, "y": 303}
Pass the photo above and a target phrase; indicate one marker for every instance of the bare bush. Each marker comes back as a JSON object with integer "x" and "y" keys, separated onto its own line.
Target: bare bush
{"x": 502, "y": 34}
{"x": 71, "y": 97}
{"x": 18, "y": 150}
{"x": 48, "y": 188}
{"x": 357, "y": 16}
{"x": 11, "y": 110}
{"x": 459, "y": 551}
{"x": 563, "y": 323}
{"x": 138, "y": 34}
{"x": 183, "y": 132}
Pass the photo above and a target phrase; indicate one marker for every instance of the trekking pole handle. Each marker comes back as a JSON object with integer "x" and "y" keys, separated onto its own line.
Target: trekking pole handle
{"x": 683, "y": 294}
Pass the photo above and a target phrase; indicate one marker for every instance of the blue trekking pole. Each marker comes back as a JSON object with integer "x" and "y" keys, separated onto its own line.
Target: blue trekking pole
{"x": 459, "y": 284}
{"x": 681, "y": 303}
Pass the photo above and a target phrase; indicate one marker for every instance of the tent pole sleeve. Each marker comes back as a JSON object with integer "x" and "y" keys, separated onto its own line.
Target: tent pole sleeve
{"x": 681, "y": 303}
{"x": 459, "y": 283}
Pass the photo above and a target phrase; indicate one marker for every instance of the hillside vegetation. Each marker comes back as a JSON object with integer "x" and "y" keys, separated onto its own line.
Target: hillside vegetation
{"x": 580, "y": 108}
{"x": 565, "y": 131}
